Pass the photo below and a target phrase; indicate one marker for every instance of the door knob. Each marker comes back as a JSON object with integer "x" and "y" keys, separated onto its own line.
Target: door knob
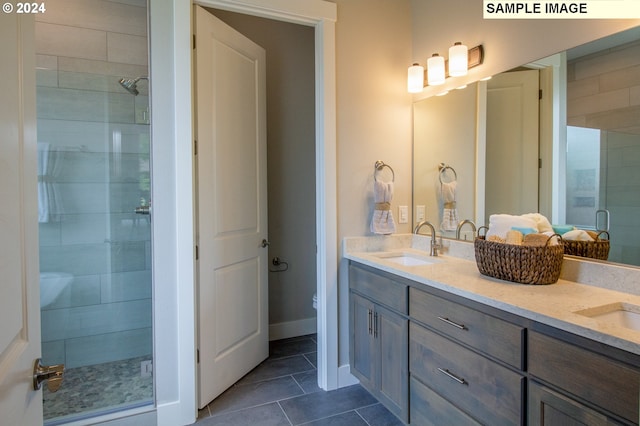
{"x": 265, "y": 243}
{"x": 53, "y": 374}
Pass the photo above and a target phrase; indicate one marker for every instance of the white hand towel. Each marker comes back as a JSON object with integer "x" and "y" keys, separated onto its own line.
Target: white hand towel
{"x": 500, "y": 224}
{"x": 382, "y": 221}
{"x": 449, "y": 211}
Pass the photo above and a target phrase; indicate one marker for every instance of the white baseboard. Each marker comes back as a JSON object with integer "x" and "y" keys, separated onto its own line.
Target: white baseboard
{"x": 284, "y": 330}
{"x": 345, "y": 378}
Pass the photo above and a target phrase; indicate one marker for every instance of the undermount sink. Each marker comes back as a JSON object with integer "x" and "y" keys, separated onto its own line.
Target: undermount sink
{"x": 617, "y": 314}
{"x": 408, "y": 259}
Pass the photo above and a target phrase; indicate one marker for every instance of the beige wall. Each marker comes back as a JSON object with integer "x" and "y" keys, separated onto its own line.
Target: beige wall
{"x": 373, "y": 47}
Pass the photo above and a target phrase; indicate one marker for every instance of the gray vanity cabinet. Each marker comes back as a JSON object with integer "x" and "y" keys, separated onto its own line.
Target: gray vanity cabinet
{"x": 379, "y": 338}
{"x": 436, "y": 358}
{"x": 464, "y": 357}
{"x": 570, "y": 385}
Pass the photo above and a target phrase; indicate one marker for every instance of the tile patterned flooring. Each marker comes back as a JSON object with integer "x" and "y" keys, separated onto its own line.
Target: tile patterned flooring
{"x": 283, "y": 391}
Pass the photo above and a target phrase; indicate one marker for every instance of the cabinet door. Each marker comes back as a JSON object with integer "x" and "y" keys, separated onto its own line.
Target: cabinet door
{"x": 362, "y": 343}
{"x": 549, "y": 408}
{"x": 391, "y": 332}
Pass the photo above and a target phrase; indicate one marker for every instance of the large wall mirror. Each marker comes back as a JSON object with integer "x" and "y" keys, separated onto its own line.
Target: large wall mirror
{"x": 559, "y": 136}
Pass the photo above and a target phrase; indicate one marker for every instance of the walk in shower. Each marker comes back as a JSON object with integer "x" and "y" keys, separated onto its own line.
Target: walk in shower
{"x": 94, "y": 181}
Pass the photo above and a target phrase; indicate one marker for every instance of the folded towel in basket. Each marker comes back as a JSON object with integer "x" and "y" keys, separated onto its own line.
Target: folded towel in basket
{"x": 382, "y": 221}
{"x": 500, "y": 224}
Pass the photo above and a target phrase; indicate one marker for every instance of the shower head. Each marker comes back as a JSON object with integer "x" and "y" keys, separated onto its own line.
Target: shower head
{"x": 130, "y": 84}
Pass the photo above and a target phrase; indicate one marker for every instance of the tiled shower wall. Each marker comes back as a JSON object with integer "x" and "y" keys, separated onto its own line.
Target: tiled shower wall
{"x": 604, "y": 93}
{"x": 102, "y": 134}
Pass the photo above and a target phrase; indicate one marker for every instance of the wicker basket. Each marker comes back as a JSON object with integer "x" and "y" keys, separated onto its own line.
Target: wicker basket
{"x": 520, "y": 264}
{"x": 598, "y": 249}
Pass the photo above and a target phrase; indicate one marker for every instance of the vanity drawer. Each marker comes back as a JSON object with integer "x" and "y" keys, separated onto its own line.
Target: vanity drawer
{"x": 473, "y": 383}
{"x": 379, "y": 288}
{"x": 603, "y": 382}
{"x": 495, "y": 337}
{"x": 430, "y": 409}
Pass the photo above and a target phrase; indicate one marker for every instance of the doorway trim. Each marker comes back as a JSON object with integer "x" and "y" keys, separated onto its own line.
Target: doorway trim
{"x": 322, "y": 16}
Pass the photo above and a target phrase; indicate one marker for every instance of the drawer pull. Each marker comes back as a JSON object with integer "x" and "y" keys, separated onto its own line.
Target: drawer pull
{"x": 452, "y": 376}
{"x": 375, "y": 325}
{"x": 370, "y": 321}
{"x": 455, "y": 324}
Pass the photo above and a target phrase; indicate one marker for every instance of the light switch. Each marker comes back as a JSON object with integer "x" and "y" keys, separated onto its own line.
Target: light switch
{"x": 403, "y": 214}
{"x": 420, "y": 213}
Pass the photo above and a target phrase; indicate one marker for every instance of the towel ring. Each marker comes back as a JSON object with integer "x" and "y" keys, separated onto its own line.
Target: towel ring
{"x": 379, "y": 165}
{"x": 443, "y": 169}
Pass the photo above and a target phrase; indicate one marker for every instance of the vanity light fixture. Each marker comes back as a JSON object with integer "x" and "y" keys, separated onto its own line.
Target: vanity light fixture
{"x": 437, "y": 70}
{"x": 458, "y": 60}
{"x": 415, "y": 79}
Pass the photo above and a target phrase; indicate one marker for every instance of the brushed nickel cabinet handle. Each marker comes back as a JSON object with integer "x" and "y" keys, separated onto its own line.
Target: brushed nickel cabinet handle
{"x": 370, "y": 321}
{"x": 375, "y": 325}
{"x": 455, "y": 324}
{"x": 449, "y": 374}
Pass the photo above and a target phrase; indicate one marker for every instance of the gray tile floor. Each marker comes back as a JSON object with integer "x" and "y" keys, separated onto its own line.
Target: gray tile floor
{"x": 283, "y": 391}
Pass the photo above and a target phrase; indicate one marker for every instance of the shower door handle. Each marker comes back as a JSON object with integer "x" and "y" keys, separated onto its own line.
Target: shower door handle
{"x": 142, "y": 210}
{"x": 53, "y": 374}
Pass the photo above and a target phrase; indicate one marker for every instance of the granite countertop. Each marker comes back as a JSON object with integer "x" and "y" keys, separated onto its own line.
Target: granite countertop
{"x": 456, "y": 272}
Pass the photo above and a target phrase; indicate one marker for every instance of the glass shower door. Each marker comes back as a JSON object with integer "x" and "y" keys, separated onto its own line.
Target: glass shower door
{"x": 94, "y": 179}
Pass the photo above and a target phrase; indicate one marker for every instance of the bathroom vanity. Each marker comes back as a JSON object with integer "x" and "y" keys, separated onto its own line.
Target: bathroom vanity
{"x": 438, "y": 343}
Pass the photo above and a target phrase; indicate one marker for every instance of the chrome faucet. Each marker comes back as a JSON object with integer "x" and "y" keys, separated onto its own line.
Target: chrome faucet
{"x": 461, "y": 224}
{"x": 434, "y": 241}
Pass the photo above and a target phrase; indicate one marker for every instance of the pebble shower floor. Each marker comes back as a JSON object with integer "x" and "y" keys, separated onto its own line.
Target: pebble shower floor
{"x": 98, "y": 387}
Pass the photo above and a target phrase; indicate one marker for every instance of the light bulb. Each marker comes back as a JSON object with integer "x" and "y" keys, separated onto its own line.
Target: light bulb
{"x": 458, "y": 60}
{"x": 435, "y": 70}
{"x": 415, "y": 78}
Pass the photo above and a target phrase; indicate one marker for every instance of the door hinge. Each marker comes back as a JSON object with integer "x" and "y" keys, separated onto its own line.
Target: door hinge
{"x": 539, "y": 163}
{"x": 197, "y": 356}
{"x": 540, "y": 94}
{"x": 194, "y": 42}
{"x": 197, "y": 253}
{"x": 195, "y": 147}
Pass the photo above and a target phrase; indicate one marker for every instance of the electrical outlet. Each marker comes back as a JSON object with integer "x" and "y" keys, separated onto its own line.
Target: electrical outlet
{"x": 403, "y": 214}
{"x": 420, "y": 213}
{"x": 146, "y": 368}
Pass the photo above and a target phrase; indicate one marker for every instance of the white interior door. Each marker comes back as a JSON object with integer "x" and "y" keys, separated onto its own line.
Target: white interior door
{"x": 19, "y": 289}
{"x": 512, "y": 143}
{"x": 230, "y": 92}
